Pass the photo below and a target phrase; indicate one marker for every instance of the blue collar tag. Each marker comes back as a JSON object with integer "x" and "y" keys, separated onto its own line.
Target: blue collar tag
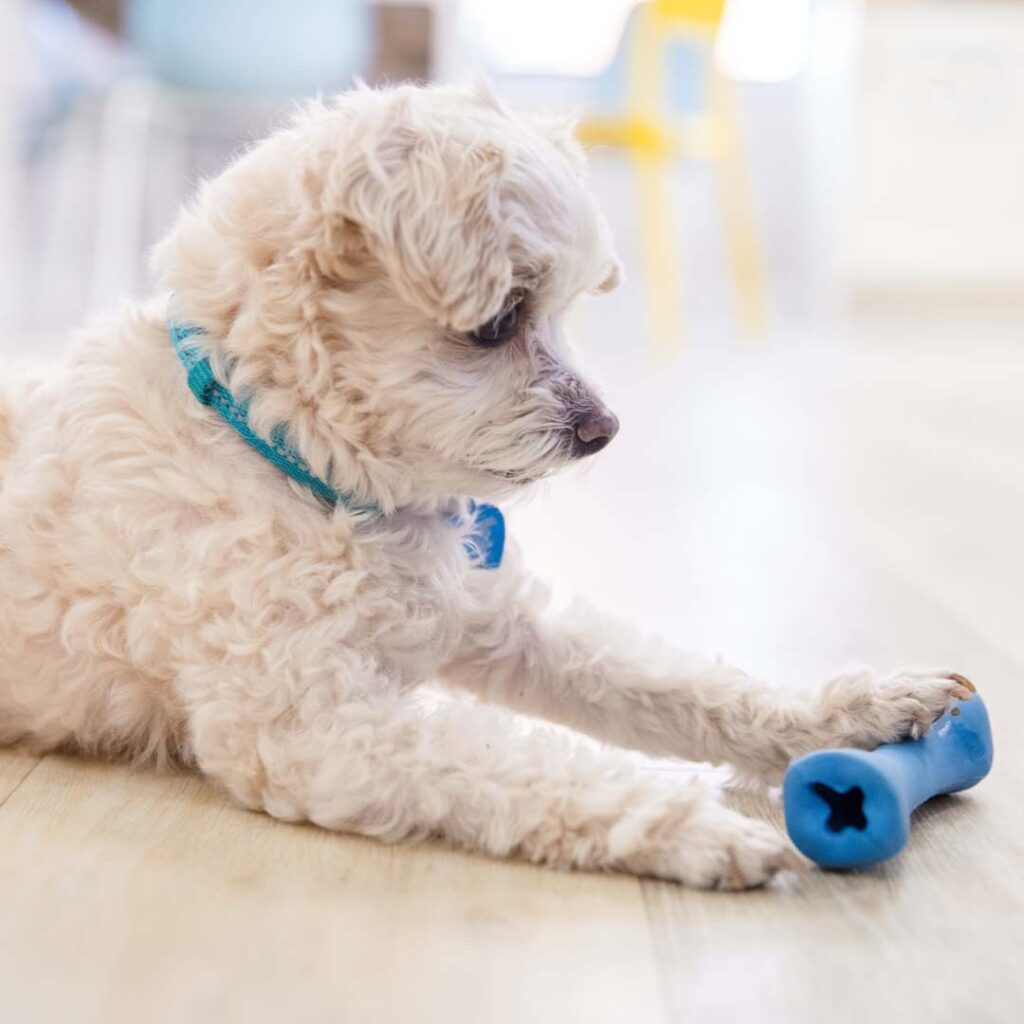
{"x": 485, "y": 542}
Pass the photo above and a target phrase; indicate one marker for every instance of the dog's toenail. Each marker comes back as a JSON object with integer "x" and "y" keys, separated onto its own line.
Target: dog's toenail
{"x": 964, "y": 682}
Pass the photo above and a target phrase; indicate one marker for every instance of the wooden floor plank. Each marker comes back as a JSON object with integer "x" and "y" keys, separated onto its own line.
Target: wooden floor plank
{"x": 130, "y": 895}
{"x": 15, "y": 767}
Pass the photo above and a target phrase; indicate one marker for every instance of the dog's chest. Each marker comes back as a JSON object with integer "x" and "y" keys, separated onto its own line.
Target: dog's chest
{"x": 417, "y": 592}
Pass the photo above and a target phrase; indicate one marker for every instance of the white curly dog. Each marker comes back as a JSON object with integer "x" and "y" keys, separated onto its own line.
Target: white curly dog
{"x": 381, "y": 286}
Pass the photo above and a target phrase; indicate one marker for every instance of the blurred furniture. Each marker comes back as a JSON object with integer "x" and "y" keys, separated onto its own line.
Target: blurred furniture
{"x": 106, "y": 13}
{"x": 656, "y": 135}
{"x": 405, "y": 42}
{"x": 230, "y": 68}
{"x": 255, "y": 47}
{"x": 9, "y": 18}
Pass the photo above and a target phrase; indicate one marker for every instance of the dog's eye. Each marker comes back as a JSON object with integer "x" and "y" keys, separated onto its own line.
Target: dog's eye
{"x": 500, "y": 328}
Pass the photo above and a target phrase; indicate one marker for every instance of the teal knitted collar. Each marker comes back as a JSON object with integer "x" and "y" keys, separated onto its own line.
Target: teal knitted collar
{"x": 277, "y": 449}
{"x": 485, "y": 544}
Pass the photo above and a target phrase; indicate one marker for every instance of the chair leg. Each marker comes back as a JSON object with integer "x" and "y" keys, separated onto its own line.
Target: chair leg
{"x": 121, "y": 191}
{"x": 742, "y": 242}
{"x": 660, "y": 245}
{"x": 60, "y": 257}
{"x": 654, "y": 164}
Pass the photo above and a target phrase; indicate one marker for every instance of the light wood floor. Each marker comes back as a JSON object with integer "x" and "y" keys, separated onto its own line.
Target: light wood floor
{"x": 793, "y": 507}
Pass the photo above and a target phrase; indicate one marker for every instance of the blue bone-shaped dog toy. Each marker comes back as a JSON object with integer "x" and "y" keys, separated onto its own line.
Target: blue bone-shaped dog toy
{"x": 851, "y": 808}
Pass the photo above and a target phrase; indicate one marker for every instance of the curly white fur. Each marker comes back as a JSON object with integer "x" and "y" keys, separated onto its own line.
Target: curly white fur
{"x": 165, "y": 593}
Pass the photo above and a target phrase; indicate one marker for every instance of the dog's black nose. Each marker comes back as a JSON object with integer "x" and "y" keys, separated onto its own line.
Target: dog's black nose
{"x": 592, "y": 432}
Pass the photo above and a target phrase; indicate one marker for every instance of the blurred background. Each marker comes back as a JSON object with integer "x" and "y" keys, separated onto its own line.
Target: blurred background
{"x": 818, "y": 361}
{"x": 767, "y": 162}
{"x": 818, "y": 203}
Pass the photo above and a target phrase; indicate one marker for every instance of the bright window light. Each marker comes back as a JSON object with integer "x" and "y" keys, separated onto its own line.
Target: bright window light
{"x": 546, "y": 37}
{"x": 762, "y": 41}
{"x": 759, "y": 40}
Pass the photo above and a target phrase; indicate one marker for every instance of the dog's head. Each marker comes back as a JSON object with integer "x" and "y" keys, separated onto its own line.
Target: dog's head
{"x": 389, "y": 276}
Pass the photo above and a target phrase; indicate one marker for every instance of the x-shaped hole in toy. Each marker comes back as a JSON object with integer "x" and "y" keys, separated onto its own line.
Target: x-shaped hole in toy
{"x": 847, "y": 809}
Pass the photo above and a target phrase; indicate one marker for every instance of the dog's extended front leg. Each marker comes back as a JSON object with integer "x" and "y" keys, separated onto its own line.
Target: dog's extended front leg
{"x": 470, "y": 775}
{"x": 598, "y": 677}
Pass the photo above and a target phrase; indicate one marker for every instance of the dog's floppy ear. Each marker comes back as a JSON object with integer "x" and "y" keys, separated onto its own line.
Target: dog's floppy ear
{"x": 371, "y": 178}
{"x": 429, "y": 209}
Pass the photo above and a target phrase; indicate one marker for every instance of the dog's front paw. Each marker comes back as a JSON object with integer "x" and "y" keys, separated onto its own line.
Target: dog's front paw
{"x": 863, "y": 711}
{"x": 708, "y": 846}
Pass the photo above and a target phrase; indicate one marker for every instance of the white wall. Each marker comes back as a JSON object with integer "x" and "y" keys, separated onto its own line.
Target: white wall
{"x": 939, "y": 195}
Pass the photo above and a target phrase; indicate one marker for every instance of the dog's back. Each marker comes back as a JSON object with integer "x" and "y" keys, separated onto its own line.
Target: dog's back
{"x": 6, "y": 432}
{"x": 15, "y": 385}
{"x": 6, "y": 428}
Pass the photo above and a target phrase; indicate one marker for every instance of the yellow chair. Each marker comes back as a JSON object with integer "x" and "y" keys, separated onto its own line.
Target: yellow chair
{"x": 656, "y": 137}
